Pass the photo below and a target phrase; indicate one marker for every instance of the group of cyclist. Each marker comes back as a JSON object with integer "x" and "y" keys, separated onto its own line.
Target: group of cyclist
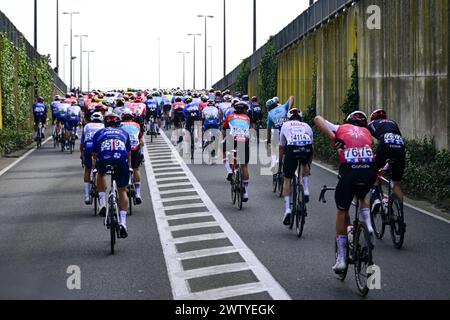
{"x": 115, "y": 122}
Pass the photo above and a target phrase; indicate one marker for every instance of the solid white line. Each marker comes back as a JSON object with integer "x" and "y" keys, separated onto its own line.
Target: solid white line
{"x": 405, "y": 203}
{"x": 194, "y": 226}
{"x": 12, "y": 165}
{"x": 205, "y": 253}
{"x": 210, "y": 271}
{"x": 260, "y": 271}
{"x": 227, "y": 292}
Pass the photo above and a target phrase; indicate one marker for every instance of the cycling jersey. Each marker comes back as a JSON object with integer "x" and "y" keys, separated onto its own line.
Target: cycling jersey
{"x": 39, "y": 109}
{"x": 387, "y": 132}
{"x": 134, "y": 131}
{"x": 112, "y": 146}
{"x": 87, "y": 140}
{"x": 138, "y": 109}
{"x": 54, "y": 106}
{"x": 225, "y": 109}
{"x": 211, "y": 118}
{"x": 153, "y": 108}
{"x": 296, "y": 133}
{"x": 192, "y": 112}
{"x": 239, "y": 126}
{"x": 62, "y": 112}
{"x": 277, "y": 116}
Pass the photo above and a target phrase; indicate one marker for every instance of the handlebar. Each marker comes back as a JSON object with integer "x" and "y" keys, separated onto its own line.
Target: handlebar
{"x": 322, "y": 193}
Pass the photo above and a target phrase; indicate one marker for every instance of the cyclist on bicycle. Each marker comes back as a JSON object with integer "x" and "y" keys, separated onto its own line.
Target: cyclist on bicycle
{"x": 153, "y": 111}
{"x": 224, "y": 107}
{"x": 137, "y": 143}
{"x": 192, "y": 114}
{"x": 112, "y": 147}
{"x": 357, "y": 165}
{"x": 238, "y": 125}
{"x": 177, "y": 116}
{"x": 40, "y": 115}
{"x": 55, "y": 107}
{"x": 256, "y": 111}
{"x": 296, "y": 144}
{"x": 275, "y": 119}
{"x": 89, "y": 131}
{"x": 391, "y": 146}
{"x": 73, "y": 119}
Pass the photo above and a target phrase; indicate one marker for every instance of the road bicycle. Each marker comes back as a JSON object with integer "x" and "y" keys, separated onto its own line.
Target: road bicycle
{"x": 72, "y": 140}
{"x": 208, "y": 139}
{"x": 112, "y": 220}
{"x": 390, "y": 211}
{"x": 152, "y": 129}
{"x": 298, "y": 206}
{"x": 39, "y": 135}
{"x": 93, "y": 195}
{"x": 359, "y": 247}
{"x": 278, "y": 181}
{"x": 237, "y": 184}
{"x": 131, "y": 192}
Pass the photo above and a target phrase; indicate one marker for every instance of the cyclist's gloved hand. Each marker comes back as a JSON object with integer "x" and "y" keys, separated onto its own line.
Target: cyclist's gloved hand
{"x": 131, "y": 170}
{"x": 339, "y": 144}
{"x": 94, "y": 171}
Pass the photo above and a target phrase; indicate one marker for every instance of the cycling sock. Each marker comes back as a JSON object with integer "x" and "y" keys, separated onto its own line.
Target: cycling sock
{"x": 137, "y": 186}
{"x": 245, "y": 186}
{"x": 228, "y": 168}
{"x": 306, "y": 185}
{"x": 365, "y": 214}
{"x": 87, "y": 188}
{"x": 123, "y": 217}
{"x": 102, "y": 200}
{"x": 342, "y": 244}
{"x": 274, "y": 159}
{"x": 287, "y": 203}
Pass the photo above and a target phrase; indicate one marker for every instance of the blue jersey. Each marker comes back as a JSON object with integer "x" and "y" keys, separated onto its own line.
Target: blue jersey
{"x": 192, "y": 112}
{"x": 39, "y": 109}
{"x": 89, "y": 131}
{"x": 277, "y": 116}
{"x": 112, "y": 145}
{"x": 55, "y": 107}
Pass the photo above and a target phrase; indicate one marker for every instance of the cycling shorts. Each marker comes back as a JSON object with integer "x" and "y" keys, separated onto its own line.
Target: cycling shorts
{"x": 87, "y": 154}
{"x": 40, "y": 118}
{"x": 392, "y": 152}
{"x": 296, "y": 155}
{"x": 71, "y": 124}
{"x": 349, "y": 175}
{"x": 210, "y": 124}
{"x": 121, "y": 171}
{"x": 136, "y": 159}
{"x": 155, "y": 114}
{"x": 167, "y": 108}
{"x": 243, "y": 149}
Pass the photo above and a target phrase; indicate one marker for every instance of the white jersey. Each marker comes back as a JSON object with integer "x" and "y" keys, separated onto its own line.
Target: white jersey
{"x": 296, "y": 133}
{"x": 223, "y": 107}
{"x": 210, "y": 113}
{"x": 74, "y": 111}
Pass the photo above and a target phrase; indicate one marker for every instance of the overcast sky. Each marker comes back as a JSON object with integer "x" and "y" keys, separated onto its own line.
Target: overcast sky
{"x": 124, "y": 36}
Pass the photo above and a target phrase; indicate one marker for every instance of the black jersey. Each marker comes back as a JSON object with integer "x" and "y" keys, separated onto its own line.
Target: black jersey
{"x": 386, "y": 131}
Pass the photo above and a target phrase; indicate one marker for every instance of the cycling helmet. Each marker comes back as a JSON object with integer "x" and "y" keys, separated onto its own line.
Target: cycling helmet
{"x": 378, "y": 114}
{"x": 97, "y": 117}
{"x": 240, "y": 107}
{"x": 112, "y": 120}
{"x": 40, "y": 99}
{"x": 211, "y": 103}
{"x": 178, "y": 99}
{"x": 218, "y": 93}
{"x": 294, "y": 114}
{"x": 156, "y": 94}
{"x": 127, "y": 115}
{"x": 357, "y": 118}
{"x": 205, "y": 99}
{"x": 195, "y": 95}
{"x": 255, "y": 99}
{"x": 270, "y": 104}
{"x": 245, "y": 98}
{"x": 57, "y": 98}
{"x": 188, "y": 100}
{"x": 227, "y": 92}
{"x": 68, "y": 95}
{"x": 227, "y": 98}
{"x": 235, "y": 101}
{"x": 276, "y": 100}
{"x": 120, "y": 103}
{"x": 238, "y": 95}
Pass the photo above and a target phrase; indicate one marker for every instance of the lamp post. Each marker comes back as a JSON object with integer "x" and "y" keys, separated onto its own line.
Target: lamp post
{"x": 71, "y": 46}
{"x": 35, "y": 25}
{"x": 211, "y": 66}
{"x": 57, "y": 37}
{"x": 254, "y": 25}
{"x": 81, "y": 36}
{"x": 64, "y": 61}
{"x": 206, "y": 47}
{"x": 194, "y": 35}
{"x": 159, "y": 63}
{"x": 89, "y": 68}
{"x": 224, "y": 38}
{"x": 184, "y": 53}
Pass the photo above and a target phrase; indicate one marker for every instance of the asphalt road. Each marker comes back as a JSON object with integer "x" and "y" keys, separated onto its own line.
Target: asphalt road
{"x": 45, "y": 228}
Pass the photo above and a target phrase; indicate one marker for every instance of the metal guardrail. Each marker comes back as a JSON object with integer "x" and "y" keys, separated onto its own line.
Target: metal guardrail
{"x": 14, "y": 35}
{"x": 305, "y": 23}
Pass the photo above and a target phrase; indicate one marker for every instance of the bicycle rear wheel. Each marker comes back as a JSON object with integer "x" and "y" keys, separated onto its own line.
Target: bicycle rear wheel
{"x": 280, "y": 184}
{"x": 294, "y": 203}
{"x": 275, "y": 182}
{"x": 240, "y": 188}
{"x": 378, "y": 220}
{"x": 397, "y": 220}
{"x": 362, "y": 258}
{"x": 233, "y": 189}
{"x": 112, "y": 230}
{"x": 301, "y": 211}
{"x": 130, "y": 200}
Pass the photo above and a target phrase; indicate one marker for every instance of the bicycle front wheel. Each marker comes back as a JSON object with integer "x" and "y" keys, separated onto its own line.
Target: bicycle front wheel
{"x": 397, "y": 220}
{"x": 362, "y": 258}
{"x": 233, "y": 189}
{"x": 301, "y": 212}
{"x": 280, "y": 184}
{"x": 294, "y": 203}
{"x": 240, "y": 191}
{"x": 275, "y": 182}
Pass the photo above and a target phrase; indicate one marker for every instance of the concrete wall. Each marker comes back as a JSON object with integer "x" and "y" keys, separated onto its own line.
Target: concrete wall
{"x": 403, "y": 67}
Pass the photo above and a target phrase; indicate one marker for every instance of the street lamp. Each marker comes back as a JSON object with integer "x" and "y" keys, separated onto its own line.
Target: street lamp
{"x": 206, "y": 47}
{"x": 89, "y": 67}
{"x": 211, "y": 68}
{"x": 64, "y": 61}
{"x": 71, "y": 46}
{"x": 35, "y": 25}
{"x": 81, "y": 36}
{"x": 159, "y": 63}
{"x": 72, "y": 79}
{"x": 254, "y": 25}
{"x": 224, "y": 38}
{"x": 194, "y": 35}
{"x": 184, "y": 53}
{"x": 57, "y": 36}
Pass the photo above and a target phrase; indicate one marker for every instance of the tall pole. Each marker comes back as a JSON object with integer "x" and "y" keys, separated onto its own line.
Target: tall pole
{"x": 184, "y": 68}
{"x": 89, "y": 68}
{"x": 64, "y": 61}
{"x": 35, "y": 24}
{"x": 224, "y": 38}
{"x": 211, "y": 67}
{"x": 81, "y": 58}
{"x": 194, "y": 70}
{"x": 254, "y": 25}
{"x": 71, "y": 47}
{"x": 206, "y": 48}
{"x": 57, "y": 36}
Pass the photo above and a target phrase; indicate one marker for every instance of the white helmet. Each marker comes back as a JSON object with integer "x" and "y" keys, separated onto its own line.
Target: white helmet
{"x": 97, "y": 117}
{"x": 294, "y": 112}
{"x": 276, "y": 100}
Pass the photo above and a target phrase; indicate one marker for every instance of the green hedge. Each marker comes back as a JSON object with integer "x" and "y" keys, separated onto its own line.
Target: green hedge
{"x": 12, "y": 140}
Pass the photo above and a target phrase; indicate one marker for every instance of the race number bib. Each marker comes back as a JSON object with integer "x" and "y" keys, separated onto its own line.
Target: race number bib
{"x": 299, "y": 139}
{"x": 134, "y": 140}
{"x": 113, "y": 145}
{"x": 39, "y": 109}
{"x": 390, "y": 138}
{"x": 358, "y": 155}
{"x": 240, "y": 134}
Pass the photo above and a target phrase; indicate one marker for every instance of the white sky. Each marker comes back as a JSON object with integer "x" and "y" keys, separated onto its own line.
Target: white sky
{"x": 124, "y": 35}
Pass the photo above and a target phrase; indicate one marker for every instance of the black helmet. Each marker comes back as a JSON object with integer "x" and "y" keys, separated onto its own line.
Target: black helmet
{"x": 241, "y": 107}
{"x": 357, "y": 118}
{"x": 112, "y": 120}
